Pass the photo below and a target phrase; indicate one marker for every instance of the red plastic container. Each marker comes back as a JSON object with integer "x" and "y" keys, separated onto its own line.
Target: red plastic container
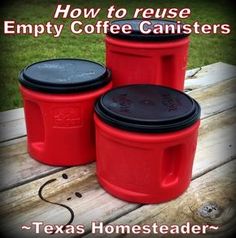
{"x": 138, "y": 58}
{"x": 59, "y": 97}
{"x": 146, "y": 136}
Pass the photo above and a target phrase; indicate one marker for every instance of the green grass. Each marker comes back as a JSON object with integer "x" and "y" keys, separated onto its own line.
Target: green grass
{"x": 19, "y": 51}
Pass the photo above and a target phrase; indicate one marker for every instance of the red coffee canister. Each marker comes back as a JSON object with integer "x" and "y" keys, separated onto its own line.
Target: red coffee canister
{"x": 146, "y": 137}
{"x": 138, "y": 58}
{"x": 59, "y": 97}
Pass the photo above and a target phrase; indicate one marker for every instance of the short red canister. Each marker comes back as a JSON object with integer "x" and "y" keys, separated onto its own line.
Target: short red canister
{"x": 139, "y": 58}
{"x": 59, "y": 97}
{"x": 146, "y": 137}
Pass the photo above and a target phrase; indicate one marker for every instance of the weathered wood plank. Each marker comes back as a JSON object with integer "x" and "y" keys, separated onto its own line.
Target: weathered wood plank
{"x": 216, "y": 98}
{"x": 14, "y": 158}
{"x": 22, "y": 205}
{"x": 210, "y": 199}
{"x": 12, "y": 130}
{"x": 209, "y": 75}
{"x": 12, "y": 124}
{"x": 10, "y": 115}
{"x": 17, "y": 167}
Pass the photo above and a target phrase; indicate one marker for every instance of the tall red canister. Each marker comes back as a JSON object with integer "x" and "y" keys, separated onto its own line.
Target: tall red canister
{"x": 59, "y": 97}
{"x": 146, "y": 137}
{"x": 139, "y": 58}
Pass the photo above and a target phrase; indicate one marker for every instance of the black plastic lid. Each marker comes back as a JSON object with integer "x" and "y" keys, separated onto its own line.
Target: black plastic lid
{"x": 147, "y": 108}
{"x": 64, "y": 75}
{"x": 136, "y": 34}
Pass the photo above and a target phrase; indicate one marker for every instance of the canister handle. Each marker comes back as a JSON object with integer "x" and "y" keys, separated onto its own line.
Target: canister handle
{"x": 34, "y": 125}
{"x": 170, "y": 166}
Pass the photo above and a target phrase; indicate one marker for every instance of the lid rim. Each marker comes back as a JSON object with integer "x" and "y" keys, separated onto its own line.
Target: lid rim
{"x": 145, "y": 126}
{"x": 137, "y": 120}
{"x": 139, "y": 36}
{"x": 49, "y": 87}
{"x": 151, "y": 38}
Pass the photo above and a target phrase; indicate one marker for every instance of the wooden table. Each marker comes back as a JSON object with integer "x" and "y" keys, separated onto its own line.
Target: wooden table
{"x": 76, "y": 197}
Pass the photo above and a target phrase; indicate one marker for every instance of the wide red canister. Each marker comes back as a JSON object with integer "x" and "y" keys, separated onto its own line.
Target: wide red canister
{"x": 146, "y": 137}
{"x": 59, "y": 97}
{"x": 139, "y": 58}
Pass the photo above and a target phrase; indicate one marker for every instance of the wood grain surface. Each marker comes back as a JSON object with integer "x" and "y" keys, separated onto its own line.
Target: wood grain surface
{"x": 32, "y": 191}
